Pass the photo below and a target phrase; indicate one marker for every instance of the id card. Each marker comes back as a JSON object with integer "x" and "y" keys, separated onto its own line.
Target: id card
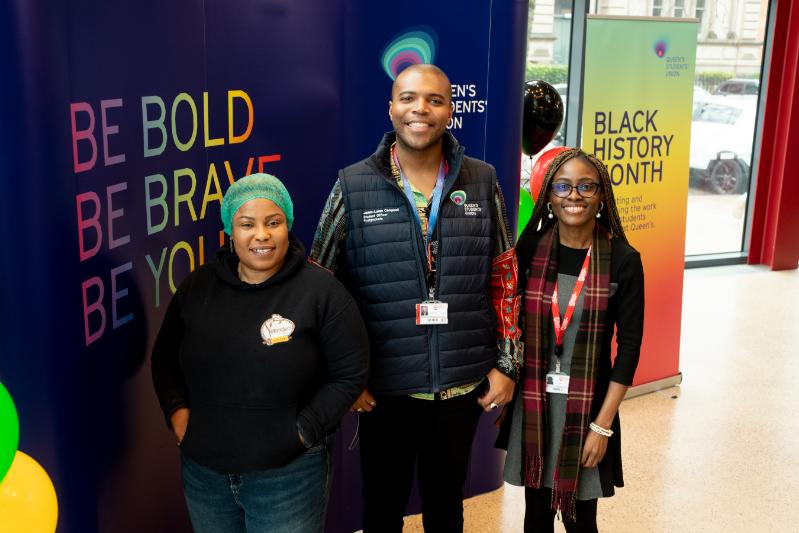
{"x": 557, "y": 383}
{"x": 431, "y": 313}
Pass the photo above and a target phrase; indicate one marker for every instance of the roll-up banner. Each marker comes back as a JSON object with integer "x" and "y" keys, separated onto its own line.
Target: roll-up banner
{"x": 638, "y": 93}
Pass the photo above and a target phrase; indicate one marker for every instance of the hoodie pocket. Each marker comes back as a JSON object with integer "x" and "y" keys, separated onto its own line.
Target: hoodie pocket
{"x": 186, "y": 433}
{"x": 242, "y": 438}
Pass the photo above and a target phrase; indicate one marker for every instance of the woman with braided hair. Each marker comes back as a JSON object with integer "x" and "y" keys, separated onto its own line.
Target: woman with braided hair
{"x": 583, "y": 282}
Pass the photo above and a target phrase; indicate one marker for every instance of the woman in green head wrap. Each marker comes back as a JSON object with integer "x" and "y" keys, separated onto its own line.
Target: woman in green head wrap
{"x": 259, "y": 356}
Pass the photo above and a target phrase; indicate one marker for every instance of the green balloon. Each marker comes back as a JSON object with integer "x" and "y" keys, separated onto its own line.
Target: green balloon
{"x": 9, "y": 431}
{"x": 526, "y": 205}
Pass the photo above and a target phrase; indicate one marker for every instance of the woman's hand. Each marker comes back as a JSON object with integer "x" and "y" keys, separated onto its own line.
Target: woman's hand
{"x": 499, "y": 393}
{"x": 365, "y": 402}
{"x": 594, "y": 449}
{"x": 180, "y": 420}
{"x": 595, "y": 444}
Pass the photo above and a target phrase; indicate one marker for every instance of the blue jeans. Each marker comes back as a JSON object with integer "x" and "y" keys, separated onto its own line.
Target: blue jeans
{"x": 291, "y": 499}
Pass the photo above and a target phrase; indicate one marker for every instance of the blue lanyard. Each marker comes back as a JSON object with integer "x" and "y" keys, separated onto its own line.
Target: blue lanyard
{"x": 439, "y": 189}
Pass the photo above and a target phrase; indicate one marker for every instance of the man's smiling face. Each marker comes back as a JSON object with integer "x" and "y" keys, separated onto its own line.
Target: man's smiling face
{"x": 420, "y": 107}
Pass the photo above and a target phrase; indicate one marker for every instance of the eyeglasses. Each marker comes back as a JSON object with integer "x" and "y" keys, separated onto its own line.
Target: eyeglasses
{"x": 562, "y": 189}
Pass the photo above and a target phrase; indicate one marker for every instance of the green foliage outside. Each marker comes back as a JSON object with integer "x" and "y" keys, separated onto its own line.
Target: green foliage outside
{"x": 551, "y": 74}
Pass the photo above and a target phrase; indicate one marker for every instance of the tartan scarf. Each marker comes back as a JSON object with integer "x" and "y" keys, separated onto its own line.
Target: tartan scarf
{"x": 585, "y": 356}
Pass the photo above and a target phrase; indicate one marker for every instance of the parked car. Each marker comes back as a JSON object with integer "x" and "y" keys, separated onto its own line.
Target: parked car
{"x": 721, "y": 143}
{"x": 700, "y": 96}
{"x": 738, "y": 87}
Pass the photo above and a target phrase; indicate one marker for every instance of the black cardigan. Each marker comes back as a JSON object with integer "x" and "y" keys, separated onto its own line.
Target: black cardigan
{"x": 248, "y": 398}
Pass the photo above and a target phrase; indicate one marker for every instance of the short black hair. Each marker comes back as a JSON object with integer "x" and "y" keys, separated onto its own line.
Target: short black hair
{"x": 423, "y": 67}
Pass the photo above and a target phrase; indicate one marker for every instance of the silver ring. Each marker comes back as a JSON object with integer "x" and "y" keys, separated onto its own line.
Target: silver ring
{"x": 493, "y": 405}
{"x": 360, "y": 410}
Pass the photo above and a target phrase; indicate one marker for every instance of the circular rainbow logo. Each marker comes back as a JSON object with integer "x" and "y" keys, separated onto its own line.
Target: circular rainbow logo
{"x": 458, "y": 197}
{"x": 413, "y": 47}
{"x": 661, "y": 47}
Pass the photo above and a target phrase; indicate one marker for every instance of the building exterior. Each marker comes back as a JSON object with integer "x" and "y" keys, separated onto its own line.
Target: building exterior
{"x": 731, "y": 32}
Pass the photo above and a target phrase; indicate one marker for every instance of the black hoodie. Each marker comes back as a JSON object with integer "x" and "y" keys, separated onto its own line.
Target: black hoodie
{"x": 255, "y": 363}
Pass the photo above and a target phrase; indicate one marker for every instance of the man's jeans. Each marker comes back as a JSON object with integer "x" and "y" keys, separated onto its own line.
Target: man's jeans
{"x": 291, "y": 499}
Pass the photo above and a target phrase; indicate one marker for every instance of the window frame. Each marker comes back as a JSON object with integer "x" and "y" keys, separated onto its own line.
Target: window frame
{"x": 573, "y": 122}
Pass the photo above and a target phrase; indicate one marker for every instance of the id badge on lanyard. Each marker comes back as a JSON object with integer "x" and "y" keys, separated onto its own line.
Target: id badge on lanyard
{"x": 557, "y": 382}
{"x": 430, "y": 312}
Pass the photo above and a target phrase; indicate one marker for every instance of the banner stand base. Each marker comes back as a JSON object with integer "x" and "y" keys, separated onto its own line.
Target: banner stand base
{"x": 652, "y": 386}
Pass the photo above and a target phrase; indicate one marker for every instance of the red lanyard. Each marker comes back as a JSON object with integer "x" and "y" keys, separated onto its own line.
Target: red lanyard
{"x": 560, "y": 327}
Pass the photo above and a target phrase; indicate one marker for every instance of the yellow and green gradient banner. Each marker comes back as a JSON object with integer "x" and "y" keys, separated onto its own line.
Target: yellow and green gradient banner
{"x": 638, "y": 93}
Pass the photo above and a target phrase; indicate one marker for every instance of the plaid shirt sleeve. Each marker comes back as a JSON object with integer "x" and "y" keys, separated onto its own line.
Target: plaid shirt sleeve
{"x": 330, "y": 232}
{"x": 504, "y": 296}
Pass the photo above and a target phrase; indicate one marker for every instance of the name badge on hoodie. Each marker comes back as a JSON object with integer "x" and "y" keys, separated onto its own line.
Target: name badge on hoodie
{"x": 276, "y": 329}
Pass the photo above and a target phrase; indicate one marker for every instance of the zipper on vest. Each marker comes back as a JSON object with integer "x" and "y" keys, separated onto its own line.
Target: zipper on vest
{"x": 435, "y": 362}
{"x": 437, "y": 283}
{"x": 418, "y": 239}
{"x": 432, "y": 335}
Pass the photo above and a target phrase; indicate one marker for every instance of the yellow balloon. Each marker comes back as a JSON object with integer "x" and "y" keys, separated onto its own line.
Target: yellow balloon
{"x": 28, "y": 503}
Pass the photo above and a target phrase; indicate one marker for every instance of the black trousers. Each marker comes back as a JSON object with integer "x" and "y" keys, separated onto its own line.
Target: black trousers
{"x": 540, "y": 518}
{"x": 435, "y": 437}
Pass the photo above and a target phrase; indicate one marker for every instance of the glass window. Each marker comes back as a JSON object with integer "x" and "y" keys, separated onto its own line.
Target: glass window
{"x": 700, "y": 11}
{"x": 548, "y": 50}
{"x": 563, "y": 7}
{"x": 727, "y": 87}
{"x": 679, "y": 8}
{"x": 729, "y": 60}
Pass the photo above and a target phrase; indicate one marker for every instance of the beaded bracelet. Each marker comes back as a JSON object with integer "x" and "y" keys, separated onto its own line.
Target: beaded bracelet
{"x": 599, "y": 429}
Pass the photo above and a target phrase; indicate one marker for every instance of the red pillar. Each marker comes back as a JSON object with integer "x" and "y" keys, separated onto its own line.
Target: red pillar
{"x": 775, "y": 218}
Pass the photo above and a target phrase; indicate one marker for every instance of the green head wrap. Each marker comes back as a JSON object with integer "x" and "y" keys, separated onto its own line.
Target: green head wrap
{"x": 251, "y": 187}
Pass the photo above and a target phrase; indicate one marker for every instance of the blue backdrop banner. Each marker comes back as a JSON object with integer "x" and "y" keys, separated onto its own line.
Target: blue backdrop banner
{"x": 121, "y": 126}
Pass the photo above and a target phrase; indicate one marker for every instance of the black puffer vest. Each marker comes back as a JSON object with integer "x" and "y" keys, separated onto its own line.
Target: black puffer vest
{"x": 386, "y": 273}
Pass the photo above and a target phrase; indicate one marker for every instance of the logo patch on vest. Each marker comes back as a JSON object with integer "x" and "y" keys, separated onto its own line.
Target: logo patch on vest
{"x": 378, "y": 215}
{"x": 458, "y": 197}
{"x": 276, "y": 329}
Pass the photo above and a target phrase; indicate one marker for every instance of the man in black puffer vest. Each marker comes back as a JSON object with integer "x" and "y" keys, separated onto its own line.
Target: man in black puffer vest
{"x": 419, "y": 235}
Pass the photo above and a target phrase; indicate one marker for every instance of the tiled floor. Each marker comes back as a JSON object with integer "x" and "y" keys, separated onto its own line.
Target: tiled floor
{"x": 719, "y": 453}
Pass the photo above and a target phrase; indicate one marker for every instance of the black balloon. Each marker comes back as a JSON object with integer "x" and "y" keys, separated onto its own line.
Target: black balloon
{"x": 543, "y": 115}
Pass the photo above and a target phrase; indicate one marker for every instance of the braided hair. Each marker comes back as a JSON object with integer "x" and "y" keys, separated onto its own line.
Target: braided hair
{"x": 610, "y": 220}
